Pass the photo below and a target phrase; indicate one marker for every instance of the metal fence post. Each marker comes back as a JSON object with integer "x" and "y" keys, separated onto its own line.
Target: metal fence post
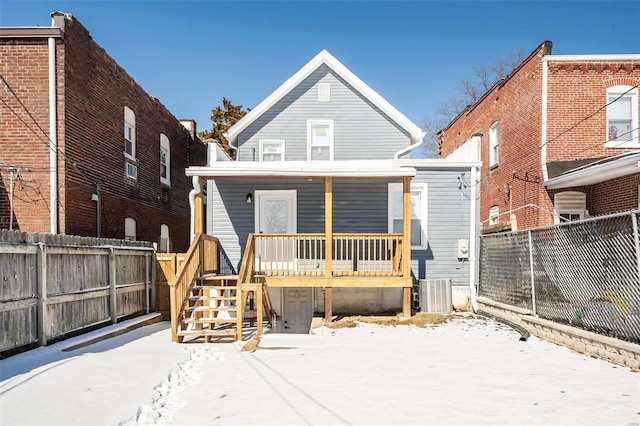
{"x": 42, "y": 294}
{"x": 533, "y": 283}
{"x": 113, "y": 313}
{"x": 636, "y": 238}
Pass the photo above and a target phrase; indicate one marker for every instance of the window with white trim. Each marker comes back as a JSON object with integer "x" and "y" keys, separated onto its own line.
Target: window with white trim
{"x": 324, "y": 92}
{"x": 569, "y": 206}
{"x": 494, "y": 144}
{"x": 622, "y": 117}
{"x": 130, "y": 233}
{"x": 131, "y": 170}
{"x": 271, "y": 150}
{"x": 129, "y": 133}
{"x": 165, "y": 159}
{"x": 418, "y": 213}
{"x": 165, "y": 242}
{"x": 494, "y": 215}
{"x": 320, "y": 139}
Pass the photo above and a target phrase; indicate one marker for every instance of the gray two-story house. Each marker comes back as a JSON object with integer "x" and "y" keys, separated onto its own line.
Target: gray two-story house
{"x": 324, "y": 206}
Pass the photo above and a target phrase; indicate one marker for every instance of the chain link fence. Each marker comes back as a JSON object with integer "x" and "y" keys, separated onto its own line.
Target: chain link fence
{"x": 584, "y": 273}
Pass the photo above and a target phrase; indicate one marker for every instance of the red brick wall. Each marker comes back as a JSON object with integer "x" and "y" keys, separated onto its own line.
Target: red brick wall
{"x": 93, "y": 92}
{"x": 516, "y": 105}
{"x": 24, "y": 133}
{"x": 577, "y": 90}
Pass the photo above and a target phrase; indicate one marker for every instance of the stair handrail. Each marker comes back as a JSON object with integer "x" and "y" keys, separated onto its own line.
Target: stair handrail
{"x": 245, "y": 275}
{"x": 185, "y": 277}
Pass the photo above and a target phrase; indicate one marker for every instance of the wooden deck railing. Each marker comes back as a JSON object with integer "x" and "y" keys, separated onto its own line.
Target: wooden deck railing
{"x": 305, "y": 254}
{"x": 194, "y": 264}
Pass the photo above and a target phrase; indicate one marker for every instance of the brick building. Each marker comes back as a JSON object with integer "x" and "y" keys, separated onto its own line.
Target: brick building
{"x": 66, "y": 164}
{"x": 558, "y": 140}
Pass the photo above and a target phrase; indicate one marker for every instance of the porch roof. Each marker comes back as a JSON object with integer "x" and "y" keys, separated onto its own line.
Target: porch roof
{"x": 304, "y": 169}
{"x": 598, "y": 171}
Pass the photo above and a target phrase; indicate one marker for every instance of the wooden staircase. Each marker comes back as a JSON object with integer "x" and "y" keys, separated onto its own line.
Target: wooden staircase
{"x": 207, "y": 305}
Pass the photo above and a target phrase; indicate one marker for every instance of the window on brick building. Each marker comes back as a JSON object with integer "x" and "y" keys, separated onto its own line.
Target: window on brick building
{"x": 130, "y": 233}
{"x": 494, "y": 144}
{"x": 165, "y": 159}
{"x": 622, "y": 117}
{"x": 129, "y": 133}
{"x": 570, "y": 206}
{"x": 165, "y": 242}
{"x": 494, "y": 215}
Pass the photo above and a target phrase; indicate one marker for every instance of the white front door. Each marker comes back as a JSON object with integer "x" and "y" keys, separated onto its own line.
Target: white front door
{"x": 275, "y": 214}
{"x": 297, "y": 313}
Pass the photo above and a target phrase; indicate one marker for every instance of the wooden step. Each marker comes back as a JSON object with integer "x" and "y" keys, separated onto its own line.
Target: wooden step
{"x": 211, "y": 308}
{"x": 218, "y": 278}
{"x": 220, "y": 298}
{"x": 215, "y": 287}
{"x": 209, "y": 321}
{"x": 230, "y": 332}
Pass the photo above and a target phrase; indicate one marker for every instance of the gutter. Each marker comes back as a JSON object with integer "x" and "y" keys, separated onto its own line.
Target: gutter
{"x": 543, "y": 142}
{"x": 53, "y": 139}
{"x": 473, "y": 226}
{"x": 410, "y": 147}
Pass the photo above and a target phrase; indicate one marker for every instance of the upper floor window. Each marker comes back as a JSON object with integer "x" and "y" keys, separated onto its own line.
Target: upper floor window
{"x": 129, "y": 133}
{"x": 622, "y": 117}
{"x": 320, "y": 139}
{"x": 130, "y": 233}
{"x": 324, "y": 92}
{"x": 418, "y": 213}
{"x": 569, "y": 206}
{"x": 165, "y": 159}
{"x": 164, "y": 239}
{"x": 271, "y": 150}
{"x": 494, "y": 144}
{"x": 494, "y": 215}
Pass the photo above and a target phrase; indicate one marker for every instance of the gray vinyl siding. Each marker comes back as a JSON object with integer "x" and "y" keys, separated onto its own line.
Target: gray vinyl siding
{"x": 357, "y": 207}
{"x": 448, "y": 220}
{"x": 361, "y": 130}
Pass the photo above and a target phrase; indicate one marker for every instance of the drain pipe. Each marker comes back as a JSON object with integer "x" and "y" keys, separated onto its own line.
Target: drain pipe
{"x": 53, "y": 139}
{"x": 473, "y": 226}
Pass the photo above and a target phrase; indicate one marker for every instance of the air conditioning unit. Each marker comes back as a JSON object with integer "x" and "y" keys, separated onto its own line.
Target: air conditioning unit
{"x": 435, "y": 295}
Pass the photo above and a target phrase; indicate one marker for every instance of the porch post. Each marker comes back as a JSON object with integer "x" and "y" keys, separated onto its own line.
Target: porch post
{"x": 198, "y": 210}
{"x": 328, "y": 244}
{"x": 406, "y": 244}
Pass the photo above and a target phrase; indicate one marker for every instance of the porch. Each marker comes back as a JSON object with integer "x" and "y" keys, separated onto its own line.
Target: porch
{"x": 277, "y": 256}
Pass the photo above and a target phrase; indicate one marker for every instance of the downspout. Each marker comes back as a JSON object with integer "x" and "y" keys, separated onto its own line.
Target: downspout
{"x": 473, "y": 226}
{"x": 410, "y": 147}
{"x": 192, "y": 204}
{"x": 53, "y": 139}
{"x": 543, "y": 146}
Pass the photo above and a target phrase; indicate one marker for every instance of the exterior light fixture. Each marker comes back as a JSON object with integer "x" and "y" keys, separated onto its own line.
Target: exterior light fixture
{"x": 249, "y": 198}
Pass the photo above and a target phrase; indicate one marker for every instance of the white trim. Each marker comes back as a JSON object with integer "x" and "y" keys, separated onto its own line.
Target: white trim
{"x": 590, "y": 174}
{"x": 633, "y": 94}
{"x": 424, "y": 218}
{"x": 53, "y": 139}
{"x": 262, "y": 142}
{"x": 310, "y": 124}
{"x": 353, "y": 168}
{"x": 615, "y": 57}
{"x": 436, "y": 163}
{"x": 494, "y": 142}
{"x": 324, "y": 58}
{"x": 473, "y": 227}
{"x": 543, "y": 142}
{"x": 165, "y": 145}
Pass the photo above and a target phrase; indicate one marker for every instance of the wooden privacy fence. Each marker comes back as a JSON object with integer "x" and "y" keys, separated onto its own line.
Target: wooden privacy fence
{"x": 53, "y": 285}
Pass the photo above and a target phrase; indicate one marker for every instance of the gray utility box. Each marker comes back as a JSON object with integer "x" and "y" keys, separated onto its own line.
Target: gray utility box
{"x": 435, "y": 295}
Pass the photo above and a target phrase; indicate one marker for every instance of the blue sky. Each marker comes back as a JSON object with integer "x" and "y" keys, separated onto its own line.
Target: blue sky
{"x": 191, "y": 53}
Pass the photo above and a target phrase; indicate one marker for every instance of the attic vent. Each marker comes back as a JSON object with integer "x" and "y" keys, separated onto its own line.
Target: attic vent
{"x": 324, "y": 92}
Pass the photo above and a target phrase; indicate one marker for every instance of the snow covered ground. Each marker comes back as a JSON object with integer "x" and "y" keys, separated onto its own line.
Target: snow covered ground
{"x": 468, "y": 371}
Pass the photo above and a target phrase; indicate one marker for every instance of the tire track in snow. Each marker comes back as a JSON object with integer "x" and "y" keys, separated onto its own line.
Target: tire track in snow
{"x": 166, "y": 401}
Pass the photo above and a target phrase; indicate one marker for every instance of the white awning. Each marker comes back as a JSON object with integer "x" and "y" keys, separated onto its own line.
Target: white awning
{"x": 599, "y": 171}
{"x": 304, "y": 169}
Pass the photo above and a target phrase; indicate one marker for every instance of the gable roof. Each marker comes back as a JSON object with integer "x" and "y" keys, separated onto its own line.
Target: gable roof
{"x": 325, "y": 58}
